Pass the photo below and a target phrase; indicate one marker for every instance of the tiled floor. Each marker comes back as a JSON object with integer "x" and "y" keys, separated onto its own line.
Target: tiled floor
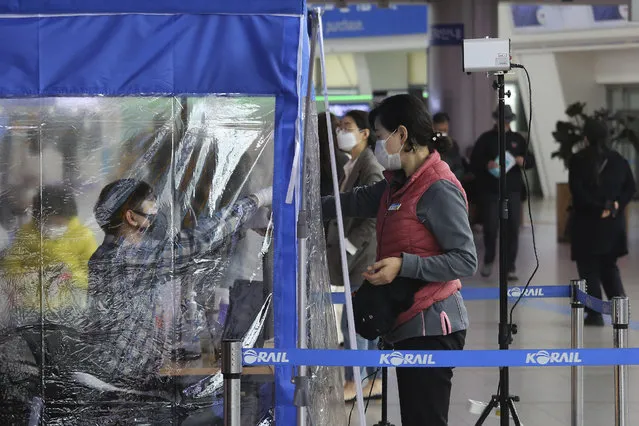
{"x": 544, "y": 392}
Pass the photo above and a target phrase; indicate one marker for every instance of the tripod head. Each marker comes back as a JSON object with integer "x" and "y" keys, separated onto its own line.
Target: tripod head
{"x": 496, "y": 85}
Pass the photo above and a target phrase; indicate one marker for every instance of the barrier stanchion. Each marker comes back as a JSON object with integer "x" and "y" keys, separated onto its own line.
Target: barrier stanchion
{"x": 232, "y": 373}
{"x": 547, "y": 357}
{"x": 577, "y": 342}
{"x": 620, "y": 320}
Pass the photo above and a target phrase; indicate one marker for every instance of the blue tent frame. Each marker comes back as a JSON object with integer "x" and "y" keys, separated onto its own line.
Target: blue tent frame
{"x": 174, "y": 47}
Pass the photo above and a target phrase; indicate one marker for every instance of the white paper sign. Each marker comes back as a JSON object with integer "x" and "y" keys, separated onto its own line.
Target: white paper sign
{"x": 510, "y": 163}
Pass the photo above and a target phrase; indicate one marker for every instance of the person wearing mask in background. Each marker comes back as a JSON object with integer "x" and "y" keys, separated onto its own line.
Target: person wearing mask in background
{"x": 441, "y": 124}
{"x": 58, "y": 242}
{"x": 422, "y": 234}
{"x": 131, "y": 294}
{"x": 356, "y": 138}
{"x": 326, "y": 182}
{"x": 602, "y": 185}
{"x": 485, "y": 167}
{"x": 458, "y": 163}
{"x": 326, "y": 176}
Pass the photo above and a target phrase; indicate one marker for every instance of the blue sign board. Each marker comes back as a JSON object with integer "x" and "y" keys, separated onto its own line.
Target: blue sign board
{"x": 367, "y": 20}
{"x": 608, "y": 13}
{"x": 447, "y": 34}
{"x": 526, "y": 15}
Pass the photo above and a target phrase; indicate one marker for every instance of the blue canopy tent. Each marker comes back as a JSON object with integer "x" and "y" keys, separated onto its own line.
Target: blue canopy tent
{"x": 170, "y": 48}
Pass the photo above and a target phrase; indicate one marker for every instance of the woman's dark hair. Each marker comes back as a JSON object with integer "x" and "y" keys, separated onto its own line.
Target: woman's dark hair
{"x": 361, "y": 121}
{"x": 322, "y": 130}
{"x": 410, "y": 112}
{"x": 54, "y": 200}
{"x": 118, "y": 197}
{"x": 597, "y": 133}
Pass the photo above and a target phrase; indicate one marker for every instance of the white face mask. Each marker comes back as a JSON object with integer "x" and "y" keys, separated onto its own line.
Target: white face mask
{"x": 346, "y": 141}
{"x": 55, "y": 232}
{"x": 388, "y": 161}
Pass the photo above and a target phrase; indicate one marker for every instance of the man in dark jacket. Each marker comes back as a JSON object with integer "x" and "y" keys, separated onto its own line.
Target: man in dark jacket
{"x": 133, "y": 278}
{"x": 484, "y": 163}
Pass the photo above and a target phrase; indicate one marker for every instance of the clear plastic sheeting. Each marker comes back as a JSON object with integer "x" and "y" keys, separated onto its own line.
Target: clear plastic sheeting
{"x": 136, "y": 233}
{"x": 326, "y": 398}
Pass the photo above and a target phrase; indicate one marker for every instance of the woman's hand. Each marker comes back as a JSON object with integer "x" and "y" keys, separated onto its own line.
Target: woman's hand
{"x": 384, "y": 271}
{"x": 605, "y": 214}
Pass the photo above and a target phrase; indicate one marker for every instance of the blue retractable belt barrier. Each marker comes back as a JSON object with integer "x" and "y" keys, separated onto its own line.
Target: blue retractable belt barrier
{"x": 476, "y": 358}
{"x": 492, "y": 293}
{"x": 594, "y": 303}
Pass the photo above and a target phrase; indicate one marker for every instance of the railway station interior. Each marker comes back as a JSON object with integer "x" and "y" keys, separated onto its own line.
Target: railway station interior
{"x": 156, "y": 159}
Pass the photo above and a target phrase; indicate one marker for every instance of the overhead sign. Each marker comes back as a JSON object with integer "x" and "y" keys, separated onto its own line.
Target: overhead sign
{"x": 547, "y": 18}
{"x": 446, "y": 34}
{"x": 368, "y": 20}
{"x": 610, "y": 13}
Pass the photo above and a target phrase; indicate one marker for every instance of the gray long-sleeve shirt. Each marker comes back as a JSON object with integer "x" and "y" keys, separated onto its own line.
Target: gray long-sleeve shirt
{"x": 442, "y": 209}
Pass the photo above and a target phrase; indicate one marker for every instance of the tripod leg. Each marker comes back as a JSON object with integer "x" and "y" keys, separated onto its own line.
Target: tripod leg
{"x": 384, "y": 421}
{"x": 494, "y": 402}
{"x": 384, "y": 395}
{"x": 513, "y": 412}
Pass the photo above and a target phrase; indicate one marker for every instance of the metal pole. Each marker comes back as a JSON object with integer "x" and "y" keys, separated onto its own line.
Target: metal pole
{"x": 577, "y": 342}
{"x": 232, "y": 373}
{"x": 300, "y": 398}
{"x": 504, "y": 326}
{"x": 385, "y": 396}
{"x": 620, "y": 320}
{"x": 361, "y": 411}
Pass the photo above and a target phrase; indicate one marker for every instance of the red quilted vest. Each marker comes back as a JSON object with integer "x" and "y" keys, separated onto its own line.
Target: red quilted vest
{"x": 399, "y": 230}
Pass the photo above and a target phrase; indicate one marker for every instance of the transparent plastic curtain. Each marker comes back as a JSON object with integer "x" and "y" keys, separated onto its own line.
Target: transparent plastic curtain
{"x": 98, "y": 329}
{"x": 326, "y": 399}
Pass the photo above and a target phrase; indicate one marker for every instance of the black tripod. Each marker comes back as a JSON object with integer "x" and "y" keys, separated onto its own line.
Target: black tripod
{"x": 503, "y": 399}
{"x": 384, "y": 421}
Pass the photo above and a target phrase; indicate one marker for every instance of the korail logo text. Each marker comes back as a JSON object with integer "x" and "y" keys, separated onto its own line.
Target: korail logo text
{"x": 251, "y": 357}
{"x": 529, "y": 292}
{"x": 546, "y": 357}
{"x": 397, "y": 359}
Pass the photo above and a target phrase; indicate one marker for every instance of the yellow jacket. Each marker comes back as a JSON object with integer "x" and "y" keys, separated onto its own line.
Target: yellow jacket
{"x": 64, "y": 262}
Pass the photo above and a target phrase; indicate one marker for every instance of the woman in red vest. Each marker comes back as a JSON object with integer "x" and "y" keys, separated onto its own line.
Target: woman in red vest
{"x": 423, "y": 234}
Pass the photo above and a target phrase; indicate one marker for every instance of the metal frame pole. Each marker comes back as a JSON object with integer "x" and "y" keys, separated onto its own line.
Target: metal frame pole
{"x": 361, "y": 410}
{"x": 620, "y": 320}
{"x": 577, "y": 342}
{"x": 504, "y": 326}
{"x": 232, "y": 373}
{"x": 302, "y": 386}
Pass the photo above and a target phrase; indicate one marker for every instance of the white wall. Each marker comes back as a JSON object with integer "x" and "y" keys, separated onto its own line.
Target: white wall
{"x": 388, "y": 70}
{"x": 578, "y": 81}
{"x": 375, "y": 70}
{"x": 620, "y": 66}
{"x": 548, "y": 106}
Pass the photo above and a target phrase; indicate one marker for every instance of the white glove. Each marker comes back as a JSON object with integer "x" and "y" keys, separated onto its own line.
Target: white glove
{"x": 264, "y": 197}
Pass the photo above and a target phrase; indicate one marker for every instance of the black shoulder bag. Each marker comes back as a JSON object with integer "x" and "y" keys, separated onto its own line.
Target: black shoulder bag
{"x": 376, "y": 308}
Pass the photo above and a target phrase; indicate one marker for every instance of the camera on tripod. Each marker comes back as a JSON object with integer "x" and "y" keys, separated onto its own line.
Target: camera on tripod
{"x": 490, "y": 55}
